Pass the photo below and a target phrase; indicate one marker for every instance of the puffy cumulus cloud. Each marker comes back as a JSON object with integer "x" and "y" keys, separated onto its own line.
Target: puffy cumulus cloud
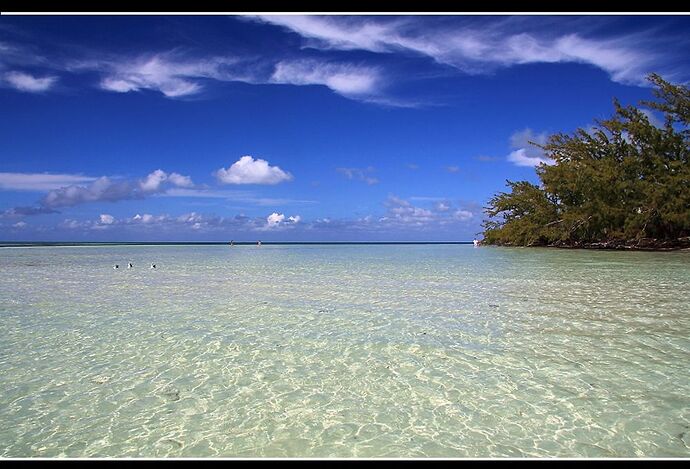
{"x": 106, "y": 219}
{"x": 28, "y": 83}
{"x": 359, "y": 174}
{"x": 154, "y": 181}
{"x": 248, "y": 170}
{"x": 19, "y": 225}
{"x": 278, "y": 220}
{"x": 525, "y": 153}
{"x": 180, "y": 180}
{"x": 274, "y": 219}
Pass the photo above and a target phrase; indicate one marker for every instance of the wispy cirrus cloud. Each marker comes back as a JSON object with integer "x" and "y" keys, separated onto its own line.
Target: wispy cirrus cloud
{"x": 172, "y": 73}
{"x": 359, "y": 174}
{"x": 28, "y": 83}
{"x": 482, "y": 46}
{"x": 248, "y": 197}
{"x": 40, "y": 182}
{"x": 353, "y": 81}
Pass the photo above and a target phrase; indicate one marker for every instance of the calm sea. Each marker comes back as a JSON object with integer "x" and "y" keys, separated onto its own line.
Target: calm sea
{"x": 348, "y": 351}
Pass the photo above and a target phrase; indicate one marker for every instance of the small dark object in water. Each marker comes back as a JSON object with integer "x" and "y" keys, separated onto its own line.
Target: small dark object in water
{"x": 493, "y": 306}
{"x": 153, "y": 266}
{"x": 174, "y": 443}
{"x": 173, "y": 395}
{"x": 116, "y": 266}
{"x": 130, "y": 265}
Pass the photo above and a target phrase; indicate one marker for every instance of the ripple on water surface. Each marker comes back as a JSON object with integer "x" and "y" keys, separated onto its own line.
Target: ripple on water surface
{"x": 365, "y": 351}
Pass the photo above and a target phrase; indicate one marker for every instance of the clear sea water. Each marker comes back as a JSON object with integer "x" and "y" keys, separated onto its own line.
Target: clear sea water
{"x": 343, "y": 351}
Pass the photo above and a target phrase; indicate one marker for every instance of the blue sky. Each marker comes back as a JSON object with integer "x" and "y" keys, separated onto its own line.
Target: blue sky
{"x": 298, "y": 128}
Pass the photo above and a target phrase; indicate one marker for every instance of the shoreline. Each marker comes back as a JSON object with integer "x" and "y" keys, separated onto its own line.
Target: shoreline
{"x": 642, "y": 244}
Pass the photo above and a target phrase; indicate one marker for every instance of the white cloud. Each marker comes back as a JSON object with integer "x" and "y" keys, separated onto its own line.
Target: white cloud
{"x": 520, "y": 157}
{"x": 653, "y": 118}
{"x": 248, "y": 170}
{"x": 453, "y": 169}
{"x": 463, "y": 215}
{"x": 525, "y": 153}
{"x": 100, "y": 189}
{"x": 274, "y": 219}
{"x": 359, "y": 174}
{"x": 441, "y": 206}
{"x": 402, "y": 215}
{"x": 19, "y": 225}
{"x": 180, "y": 180}
{"x": 25, "y": 82}
{"x": 39, "y": 182}
{"x": 168, "y": 73}
{"x": 278, "y": 221}
{"x": 477, "y": 47}
{"x": 153, "y": 181}
{"x": 71, "y": 224}
{"x": 145, "y": 218}
{"x": 336, "y": 34}
{"x": 106, "y": 189}
{"x": 106, "y": 219}
{"x": 345, "y": 79}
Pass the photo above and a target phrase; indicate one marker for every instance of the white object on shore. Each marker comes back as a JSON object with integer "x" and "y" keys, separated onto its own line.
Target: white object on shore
{"x": 258, "y": 243}
{"x": 476, "y": 242}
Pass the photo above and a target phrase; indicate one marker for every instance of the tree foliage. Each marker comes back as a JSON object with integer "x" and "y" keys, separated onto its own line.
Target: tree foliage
{"x": 625, "y": 179}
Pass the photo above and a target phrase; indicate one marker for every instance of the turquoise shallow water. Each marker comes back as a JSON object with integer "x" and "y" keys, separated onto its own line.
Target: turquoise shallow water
{"x": 366, "y": 351}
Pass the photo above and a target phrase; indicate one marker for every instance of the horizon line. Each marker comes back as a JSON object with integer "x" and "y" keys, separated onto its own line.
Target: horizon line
{"x": 209, "y": 243}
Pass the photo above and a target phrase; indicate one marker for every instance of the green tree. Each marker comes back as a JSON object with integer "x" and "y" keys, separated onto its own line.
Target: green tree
{"x": 624, "y": 180}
